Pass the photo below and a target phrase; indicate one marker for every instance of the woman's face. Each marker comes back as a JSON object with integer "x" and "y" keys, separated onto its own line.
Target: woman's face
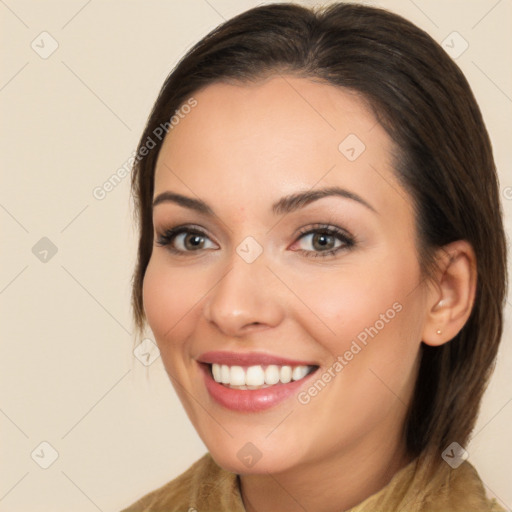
{"x": 329, "y": 283}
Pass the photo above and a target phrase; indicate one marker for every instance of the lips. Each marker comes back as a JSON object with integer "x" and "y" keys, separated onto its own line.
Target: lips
{"x": 249, "y": 359}
{"x": 248, "y": 398}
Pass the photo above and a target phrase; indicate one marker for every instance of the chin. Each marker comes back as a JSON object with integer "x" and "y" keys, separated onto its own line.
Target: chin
{"x": 251, "y": 458}
{"x": 264, "y": 465}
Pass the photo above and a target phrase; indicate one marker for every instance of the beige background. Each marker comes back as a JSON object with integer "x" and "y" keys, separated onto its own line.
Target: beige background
{"x": 68, "y": 375}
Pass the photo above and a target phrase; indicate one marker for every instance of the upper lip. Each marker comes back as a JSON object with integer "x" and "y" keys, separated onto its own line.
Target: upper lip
{"x": 248, "y": 359}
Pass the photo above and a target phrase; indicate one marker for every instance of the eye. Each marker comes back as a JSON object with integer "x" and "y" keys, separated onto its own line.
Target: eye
{"x": 325, "y": 241}
{"x": 183, "y": 239}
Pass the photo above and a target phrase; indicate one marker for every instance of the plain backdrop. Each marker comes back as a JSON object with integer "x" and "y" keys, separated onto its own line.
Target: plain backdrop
{"x": 77, "y": 81}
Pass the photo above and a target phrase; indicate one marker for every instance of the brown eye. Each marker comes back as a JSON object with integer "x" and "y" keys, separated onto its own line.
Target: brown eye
{"x": 192, "y": 241}
{"x": 321, "y": 241}
{"x": 184, "y": 240}
{"x": 324, "y": 241}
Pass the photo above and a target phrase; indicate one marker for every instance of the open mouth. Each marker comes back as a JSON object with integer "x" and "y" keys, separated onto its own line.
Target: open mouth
{"x": 257, "y": 376}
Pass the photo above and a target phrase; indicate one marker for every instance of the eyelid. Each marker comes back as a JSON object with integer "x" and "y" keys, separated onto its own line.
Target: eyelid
{"x": 169, "y": 235}
{"x": 345, "y": 237}
{"x": 322, "y": 226}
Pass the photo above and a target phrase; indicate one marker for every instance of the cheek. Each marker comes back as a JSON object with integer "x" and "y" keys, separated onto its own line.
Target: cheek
{"x": 370, "y": 316}
{"x": 343, "y": 307}
{"x": 169, "y": 297}
{"x": 375, "y": 341}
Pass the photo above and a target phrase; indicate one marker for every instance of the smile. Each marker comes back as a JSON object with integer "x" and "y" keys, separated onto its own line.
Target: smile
{"x": 257, "y": 377}
{"x": 252, "y": 382}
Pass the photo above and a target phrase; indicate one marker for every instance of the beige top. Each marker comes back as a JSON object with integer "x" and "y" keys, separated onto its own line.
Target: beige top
{"x": 206, "y": 487}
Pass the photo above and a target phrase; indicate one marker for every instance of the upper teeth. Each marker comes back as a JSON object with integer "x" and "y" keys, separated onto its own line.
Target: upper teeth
{"x": 257, "y": 375}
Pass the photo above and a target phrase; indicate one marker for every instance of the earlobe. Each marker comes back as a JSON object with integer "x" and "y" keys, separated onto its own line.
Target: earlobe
{"x": 450, "y": 300}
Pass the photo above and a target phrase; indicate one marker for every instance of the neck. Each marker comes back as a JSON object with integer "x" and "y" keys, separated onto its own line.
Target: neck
{"x": 331, "y": 484}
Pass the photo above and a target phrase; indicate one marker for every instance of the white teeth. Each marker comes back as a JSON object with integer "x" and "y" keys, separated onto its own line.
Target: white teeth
{"x": 237, "y": 376}
{"x": 217, "y": 373}
{"x": 272, "y": 374}
{"x": 285, "y": 374}
{"x": 224, "y": 374}
{"x": 256, "y": 377}
{"x": 299, "y": 372}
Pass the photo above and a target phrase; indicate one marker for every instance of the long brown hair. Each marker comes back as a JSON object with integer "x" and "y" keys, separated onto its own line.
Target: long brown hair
{"x": 443, "y": 159}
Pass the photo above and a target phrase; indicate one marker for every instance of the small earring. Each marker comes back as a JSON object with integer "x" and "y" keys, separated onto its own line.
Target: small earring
{"x": 440, "y": 303}
{"x": 438, "y": 331}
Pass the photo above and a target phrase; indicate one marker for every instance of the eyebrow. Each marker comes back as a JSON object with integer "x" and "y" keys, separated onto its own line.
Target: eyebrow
{"x": 287, "y": 204}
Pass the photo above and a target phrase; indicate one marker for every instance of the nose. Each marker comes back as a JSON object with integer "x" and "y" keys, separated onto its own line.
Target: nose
{"x": 245, "y": 299}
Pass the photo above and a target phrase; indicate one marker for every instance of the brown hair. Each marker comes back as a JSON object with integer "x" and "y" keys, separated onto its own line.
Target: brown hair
{"x": 443, "y": 159}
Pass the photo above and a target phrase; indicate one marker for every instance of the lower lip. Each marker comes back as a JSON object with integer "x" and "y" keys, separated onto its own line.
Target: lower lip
{"x": 250, "y": 400}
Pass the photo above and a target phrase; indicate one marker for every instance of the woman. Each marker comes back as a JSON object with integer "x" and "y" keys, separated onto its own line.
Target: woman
{"x": 323, "y": 264}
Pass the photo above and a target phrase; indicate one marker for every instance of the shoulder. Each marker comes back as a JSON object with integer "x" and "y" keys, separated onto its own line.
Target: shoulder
{"x": 203, "y": 486}
{"x": 465, "y": 491}
{"x": 449, "y": 490}
{"x": 457, "y": 489}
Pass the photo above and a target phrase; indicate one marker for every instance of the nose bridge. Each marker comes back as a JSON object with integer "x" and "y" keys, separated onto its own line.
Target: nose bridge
{"x": 244, "y": 295}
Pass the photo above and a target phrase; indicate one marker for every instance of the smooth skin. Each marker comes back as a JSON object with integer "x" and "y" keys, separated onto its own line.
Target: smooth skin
{"x": 240, "y": 150}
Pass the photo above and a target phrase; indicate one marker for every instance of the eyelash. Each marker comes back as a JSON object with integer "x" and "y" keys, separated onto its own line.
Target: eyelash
{"x": 326, "y": 229}
{"x": 166, "y": 238}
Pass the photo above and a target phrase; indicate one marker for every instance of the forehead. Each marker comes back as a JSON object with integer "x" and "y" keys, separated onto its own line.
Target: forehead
{"x": 279, "y": 135}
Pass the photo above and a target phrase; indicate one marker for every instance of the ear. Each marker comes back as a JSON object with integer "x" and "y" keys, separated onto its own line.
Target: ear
{"x": 451, "y": 298}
